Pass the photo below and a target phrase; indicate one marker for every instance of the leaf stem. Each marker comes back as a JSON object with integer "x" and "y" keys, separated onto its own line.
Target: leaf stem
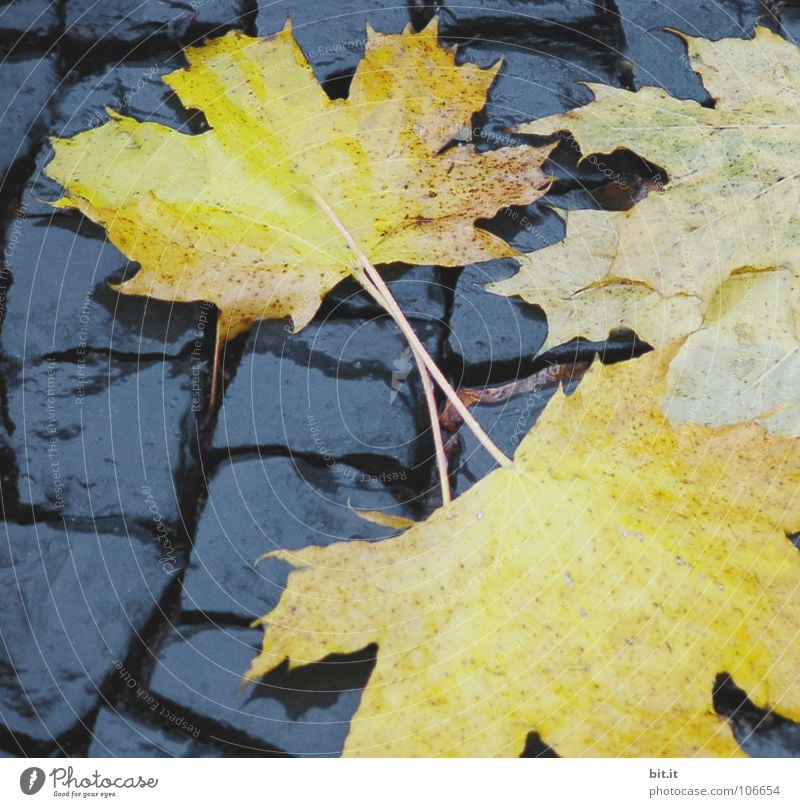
{"x": 216, "y": 369}
{"x": 430, "y": 399}
{"x": 373, "y": 279}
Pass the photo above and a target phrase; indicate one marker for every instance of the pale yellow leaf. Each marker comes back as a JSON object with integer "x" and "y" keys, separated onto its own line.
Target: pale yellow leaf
{"x": 728, "y": 206}
{"x": 230, "y": 215}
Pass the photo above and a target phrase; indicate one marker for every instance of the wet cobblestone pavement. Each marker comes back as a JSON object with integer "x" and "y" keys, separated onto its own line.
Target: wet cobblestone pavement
{"x": 133, "y": 517}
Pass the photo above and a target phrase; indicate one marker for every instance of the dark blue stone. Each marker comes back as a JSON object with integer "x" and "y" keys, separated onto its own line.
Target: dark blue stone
{"x": 73, "y": 604}
{"x": 338, "y": 388}
{"x": 91, "y": 437}
{"x": 60, "y": 299}
{"x": 492, "y": 338}
{"x": 156, "y": 22}
{"x": 120, "y": 735}
{"x": 540, "y": 79}
{"x": 333, "y": 36}
{"x": 521, "y": 20}
{"x": 134, "y": 88}
{"x": 27, "y": 84}
{"x": 658, "y": 58}
{"x": 506, "y": 423}
{"x": 417, "y": 289}
{"x": 29, "y": 20}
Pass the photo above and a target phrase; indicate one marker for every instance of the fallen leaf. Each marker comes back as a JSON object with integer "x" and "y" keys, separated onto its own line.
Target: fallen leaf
{"x": 687, "y": 258}
{"x": 591, "y": 592}
{"x": 230, "y": 216}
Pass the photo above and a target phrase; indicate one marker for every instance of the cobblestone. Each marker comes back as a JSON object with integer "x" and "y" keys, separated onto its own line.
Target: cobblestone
{"x": 73, "y": 604}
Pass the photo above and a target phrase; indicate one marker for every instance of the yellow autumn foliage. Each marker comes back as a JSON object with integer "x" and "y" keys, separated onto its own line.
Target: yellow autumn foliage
{"x": 591, "y": 592}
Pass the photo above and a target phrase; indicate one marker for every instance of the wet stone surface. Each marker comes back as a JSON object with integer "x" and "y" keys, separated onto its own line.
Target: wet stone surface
{"x": 492, "y": 338}
{"x": 337, "y": 389}
{"x": 780, "y": 741}
{"x": 116, "y": 23}
{"x": 760, "y": 733}
{"x": 506, "y": 423}
{"x": 536, "y": 79}
{"x": 259, "y": 504}
{"x": 517, "y": 20}
{"x": 91, "y": 437}
{"x": 421, "y": 291}
{"x": 72, "y": 605}
{"x": 134, "y": 88}
{"x": 28, "y": 22}
{"x": 333, "y": 37}
{"x": 790, "y": 23}
{"x": 199, "y": 671}
{"x": 118, "y": 735}
{"x": 8, "y": 470}
{"x": 658, "y": 58}
{"x": 27, "y": 84}
{"x": 133, "y": 520}
{"x": 61, "y": 301}
{"x": 528, "y": 228}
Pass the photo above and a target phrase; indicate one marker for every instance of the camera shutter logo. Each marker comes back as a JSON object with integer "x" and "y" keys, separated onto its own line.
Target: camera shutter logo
{"x": 31, "y": 781}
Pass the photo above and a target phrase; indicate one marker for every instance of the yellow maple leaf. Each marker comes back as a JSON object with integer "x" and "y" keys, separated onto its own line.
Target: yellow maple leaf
{"x": 230, "y": 215}
{"x": 717, "y": 248}
{"x": 592, "y": 592}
